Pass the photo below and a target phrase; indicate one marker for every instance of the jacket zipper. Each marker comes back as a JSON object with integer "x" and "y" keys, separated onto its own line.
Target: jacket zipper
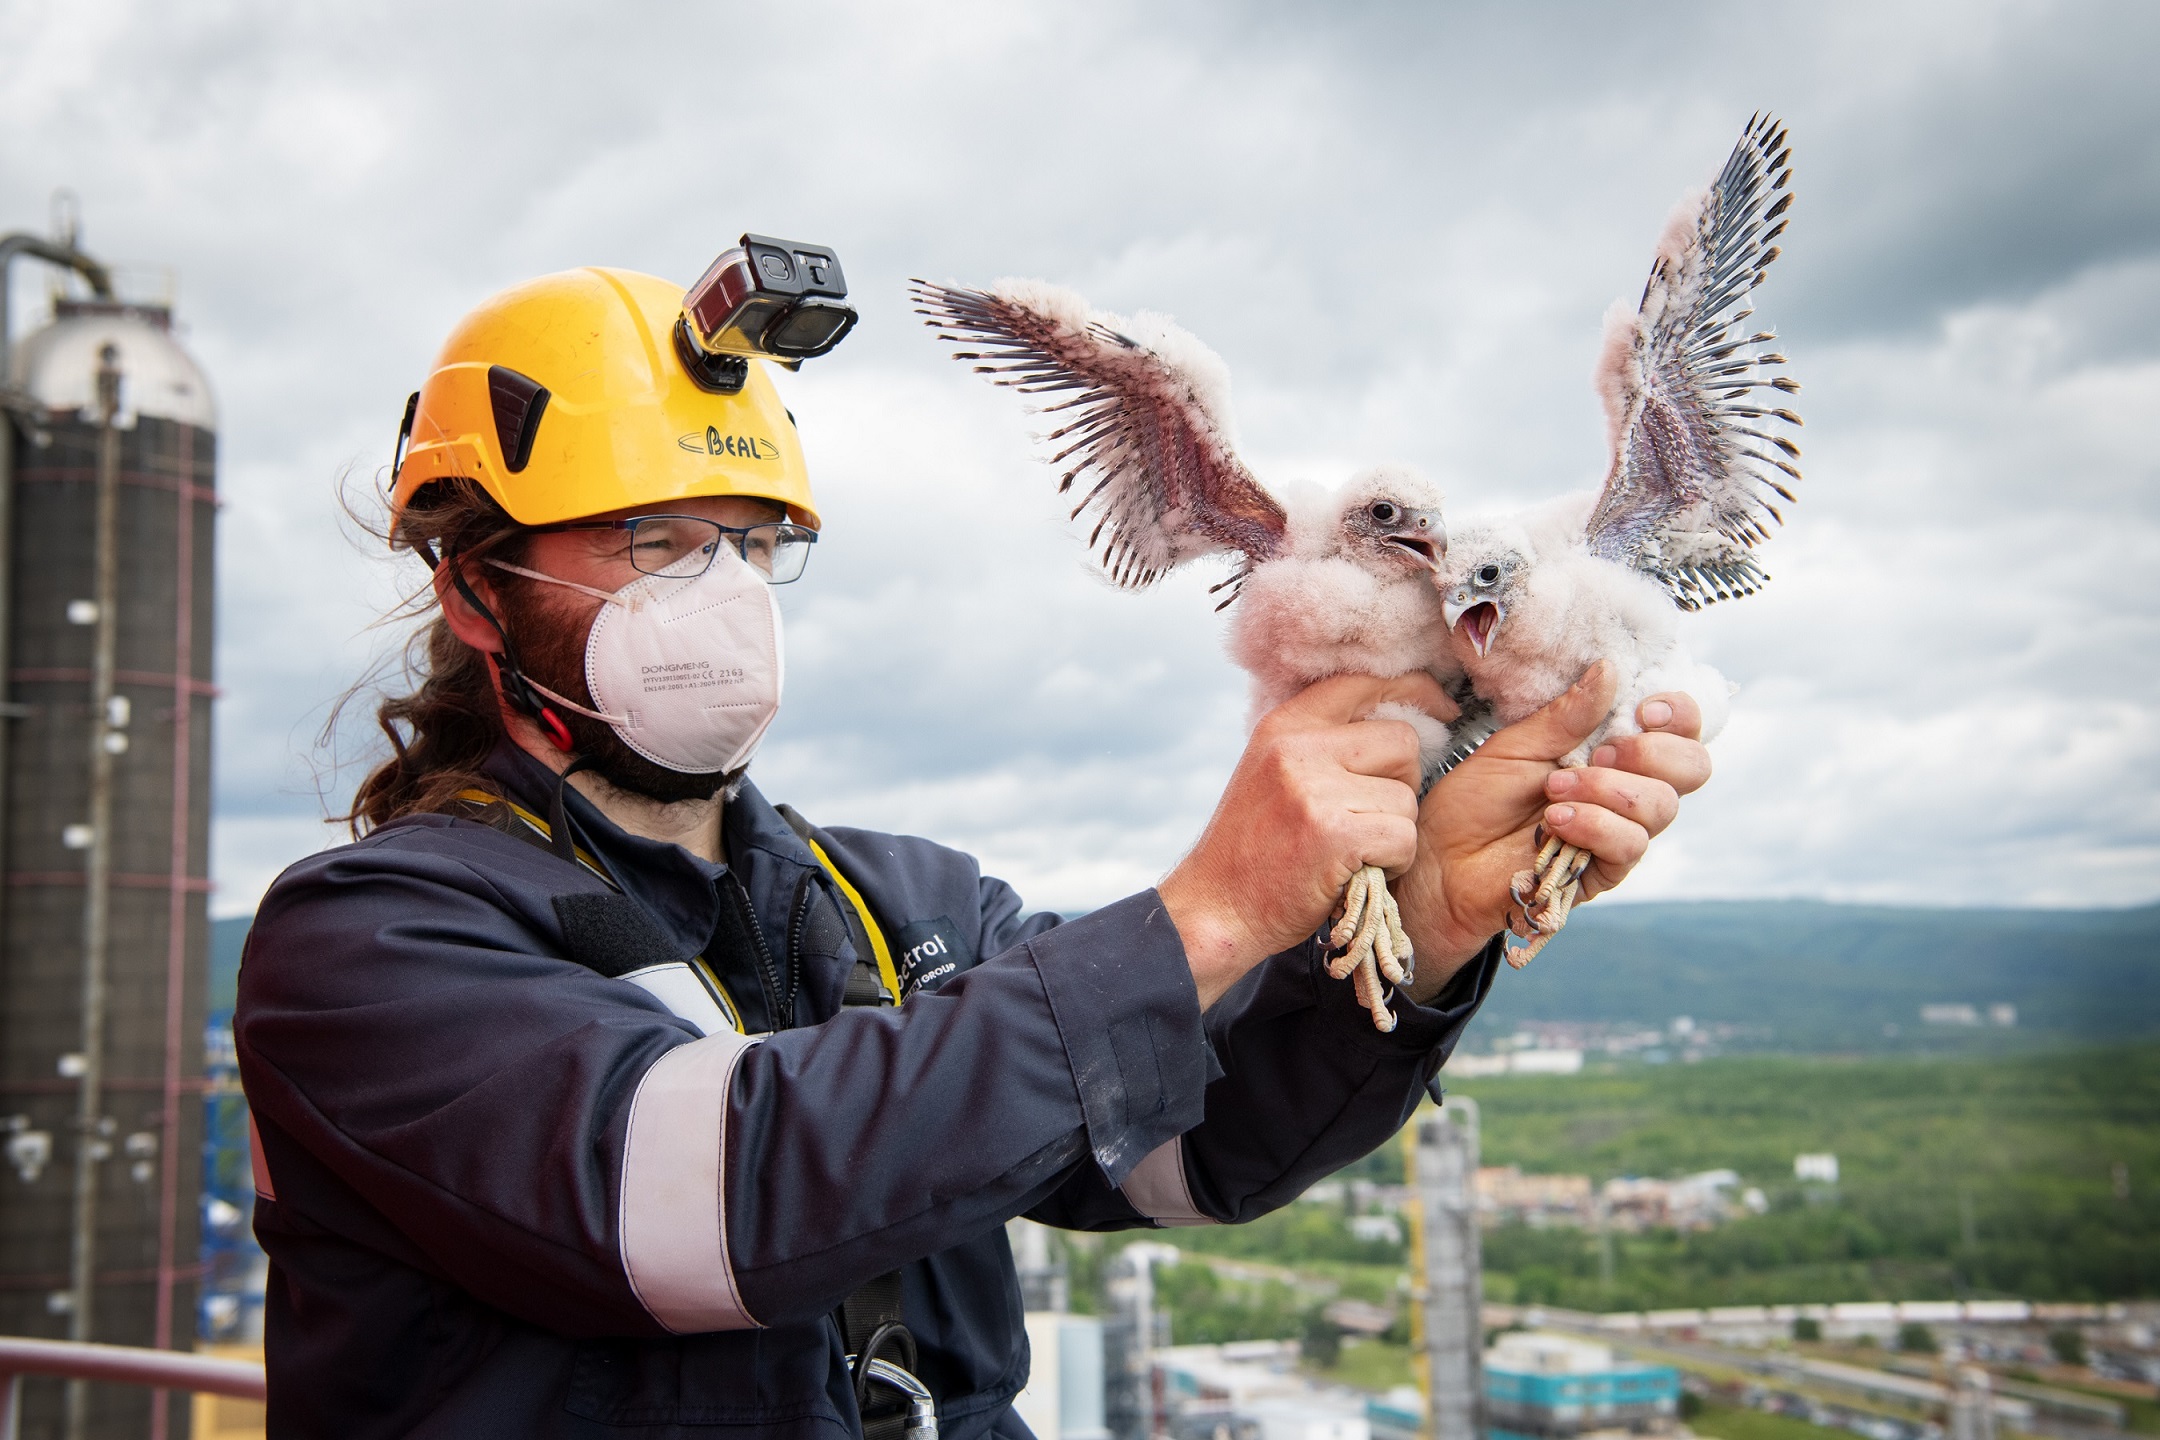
{"x": 778, "y": 1003}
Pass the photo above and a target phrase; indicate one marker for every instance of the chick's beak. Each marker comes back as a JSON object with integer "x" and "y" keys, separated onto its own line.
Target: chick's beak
{"x": 1421, "y": 533}
{"x": 1484, "y": 617}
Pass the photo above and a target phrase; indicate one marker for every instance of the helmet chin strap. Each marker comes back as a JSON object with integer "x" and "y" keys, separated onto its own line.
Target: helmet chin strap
{"x": 523, "y": 695}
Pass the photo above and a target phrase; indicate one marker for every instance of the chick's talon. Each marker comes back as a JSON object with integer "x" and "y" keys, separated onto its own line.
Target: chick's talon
{"x": 1370, "y": 936}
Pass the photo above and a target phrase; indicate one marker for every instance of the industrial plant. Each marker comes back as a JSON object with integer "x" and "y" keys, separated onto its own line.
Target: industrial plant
{"x": 108, "y": 460}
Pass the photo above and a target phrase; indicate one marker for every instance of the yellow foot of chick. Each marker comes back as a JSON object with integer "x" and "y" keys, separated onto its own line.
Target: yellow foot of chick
{"x": 1546, "y": 893}
{"x": 1375, "y": 953}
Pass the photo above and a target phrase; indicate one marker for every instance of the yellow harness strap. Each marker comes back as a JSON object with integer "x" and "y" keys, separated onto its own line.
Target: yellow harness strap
{"x": 886, "y": 972}
{"x": 537, "y": 825}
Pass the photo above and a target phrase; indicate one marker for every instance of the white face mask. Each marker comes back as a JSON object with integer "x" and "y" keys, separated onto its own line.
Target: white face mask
{"x": 686, "y": 670}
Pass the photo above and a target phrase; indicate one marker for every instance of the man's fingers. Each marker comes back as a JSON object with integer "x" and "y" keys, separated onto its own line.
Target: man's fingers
{"x": 1561, "y": 725}
{"x": 1341, "y": 699}
{"x": 1673, "y": 712}
{"x": 1650, "y": 803}
{"x": 1388, "y": 841}
{"x": 1681, "y": 763}
{"x": 1372, "y": 795}
{"x": 1373, "y": 747}
{"x": 1421, "y": 691}
{"x": 1617, "y": 842}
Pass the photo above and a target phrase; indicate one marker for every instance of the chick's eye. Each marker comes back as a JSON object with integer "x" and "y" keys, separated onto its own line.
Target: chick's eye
{"x": 1384, "y": 513}
{"x": 1488, "y": 574}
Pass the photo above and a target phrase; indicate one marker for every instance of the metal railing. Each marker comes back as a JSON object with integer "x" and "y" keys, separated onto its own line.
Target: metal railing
{"x": 117, "y": 1365}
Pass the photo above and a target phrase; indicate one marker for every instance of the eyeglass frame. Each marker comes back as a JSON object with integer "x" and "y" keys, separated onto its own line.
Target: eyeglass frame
{"x": 741, "y": 534}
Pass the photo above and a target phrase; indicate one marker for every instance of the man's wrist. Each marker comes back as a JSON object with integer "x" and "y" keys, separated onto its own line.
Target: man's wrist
{"x": 1219, "y": 945}
{"x": 1441, "y": 943}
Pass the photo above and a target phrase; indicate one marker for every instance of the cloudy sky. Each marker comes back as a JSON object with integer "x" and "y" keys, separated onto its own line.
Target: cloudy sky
{"x": 1399, "y": 224}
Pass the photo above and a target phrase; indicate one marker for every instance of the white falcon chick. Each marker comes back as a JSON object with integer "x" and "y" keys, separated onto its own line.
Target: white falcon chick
{"x": 1327, "y": 584}
{"x": 1532, "y": 599}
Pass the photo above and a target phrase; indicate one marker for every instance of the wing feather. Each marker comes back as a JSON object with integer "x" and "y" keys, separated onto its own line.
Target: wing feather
{"x": 1693, "y": 464}
{"x": 1146, "y": 427}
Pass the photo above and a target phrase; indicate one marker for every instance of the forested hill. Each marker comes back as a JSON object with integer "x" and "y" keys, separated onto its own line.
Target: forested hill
{"x": 1833, "y": 977}
{"x": 1817, "y": 976}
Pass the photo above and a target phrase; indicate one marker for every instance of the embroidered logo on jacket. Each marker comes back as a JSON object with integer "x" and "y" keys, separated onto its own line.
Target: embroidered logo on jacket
{"x": 929, "y": 952}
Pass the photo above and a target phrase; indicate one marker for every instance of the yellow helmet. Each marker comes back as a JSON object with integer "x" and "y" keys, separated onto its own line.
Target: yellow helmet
{"x": 573, "y": 395}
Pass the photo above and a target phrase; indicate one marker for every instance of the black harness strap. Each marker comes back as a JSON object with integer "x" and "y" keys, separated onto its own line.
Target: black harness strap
{"x": 869, "y": 1319}
{"x": 864, "y": 985}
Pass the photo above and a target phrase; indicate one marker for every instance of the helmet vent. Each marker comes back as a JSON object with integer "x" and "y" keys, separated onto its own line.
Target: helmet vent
{"x": 518, "y": 403}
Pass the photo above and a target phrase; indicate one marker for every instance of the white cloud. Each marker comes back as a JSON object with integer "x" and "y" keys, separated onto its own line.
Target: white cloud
{"x": 1398, "y": 224}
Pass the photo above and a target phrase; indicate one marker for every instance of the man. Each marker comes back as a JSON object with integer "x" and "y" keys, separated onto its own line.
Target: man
{"x": 584, "y": 1103}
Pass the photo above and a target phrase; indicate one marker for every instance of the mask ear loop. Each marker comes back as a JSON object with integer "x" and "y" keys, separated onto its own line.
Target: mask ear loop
{"x": 516, "y": 689}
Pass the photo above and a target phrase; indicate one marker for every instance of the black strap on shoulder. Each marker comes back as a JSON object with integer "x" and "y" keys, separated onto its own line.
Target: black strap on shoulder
{"x": 869, "y": 1319}
{"x": 864, "y": 985}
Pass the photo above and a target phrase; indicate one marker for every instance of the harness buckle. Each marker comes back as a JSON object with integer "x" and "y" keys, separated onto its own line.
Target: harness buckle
{"x": 921, "y": 1421}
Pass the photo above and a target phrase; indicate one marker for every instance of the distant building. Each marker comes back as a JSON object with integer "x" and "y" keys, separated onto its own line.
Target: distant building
{"x": 1253, "y": 1390}
{"x": 1065, "y": 1393}
{"x": 1504, "y": 1193}
{"x": 2003, "y": 1015}
{"x": 1815, "y": 1167}
{"x": 1385, "y": 1229}
{"x": 1356, "y": 1317}
{"x": 1517, "y": 1062}
{"x": 1950, "y": 1014}
{"x": 1699, "y": 1201}
{"x": 1549, "y": 1387}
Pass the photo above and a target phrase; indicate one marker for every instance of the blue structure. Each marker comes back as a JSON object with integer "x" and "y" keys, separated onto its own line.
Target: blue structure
{"x": 1540, "y": 1387}
{"x": 229, "y": 1305}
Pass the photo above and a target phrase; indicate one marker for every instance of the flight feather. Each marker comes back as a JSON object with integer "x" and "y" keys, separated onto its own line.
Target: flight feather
{"x": 1145, "y": 430}
{"x": 1690, "y": 403}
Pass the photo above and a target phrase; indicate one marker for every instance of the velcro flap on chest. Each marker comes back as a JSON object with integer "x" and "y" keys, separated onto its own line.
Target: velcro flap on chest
{"x": 612, "y": 934}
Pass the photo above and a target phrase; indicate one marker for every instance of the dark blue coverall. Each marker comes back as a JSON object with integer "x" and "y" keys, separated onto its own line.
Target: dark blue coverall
{"x": 506, "y": 1194}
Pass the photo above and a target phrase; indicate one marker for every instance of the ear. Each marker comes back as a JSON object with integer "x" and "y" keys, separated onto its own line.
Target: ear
{"x": 468, "y": 624}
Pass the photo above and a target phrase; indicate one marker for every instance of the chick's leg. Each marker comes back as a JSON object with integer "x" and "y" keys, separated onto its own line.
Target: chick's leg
{"x": 1546, "y": 894}
{"x": 1549, "y": 889}
{"x": 1369, "y": 934}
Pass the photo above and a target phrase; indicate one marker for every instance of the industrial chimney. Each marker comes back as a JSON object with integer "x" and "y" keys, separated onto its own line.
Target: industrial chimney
{"x": 107, "y": 499}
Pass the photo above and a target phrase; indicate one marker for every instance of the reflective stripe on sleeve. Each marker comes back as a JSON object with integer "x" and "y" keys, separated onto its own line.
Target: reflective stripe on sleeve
{"x": 673, "y": 1214}
{"x": 256, "y": 1162}
{"x": 1157, "y": 1188}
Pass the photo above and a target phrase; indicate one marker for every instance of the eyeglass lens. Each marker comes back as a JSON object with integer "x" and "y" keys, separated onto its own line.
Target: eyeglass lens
{"x": 681, "y": 545}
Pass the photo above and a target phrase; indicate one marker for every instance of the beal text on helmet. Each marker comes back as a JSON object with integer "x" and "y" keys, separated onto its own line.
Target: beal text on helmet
{"x": 742, "y": 447}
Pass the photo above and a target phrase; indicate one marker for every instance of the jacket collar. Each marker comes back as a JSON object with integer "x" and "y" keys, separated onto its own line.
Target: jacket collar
{"x": 677, "y": 888}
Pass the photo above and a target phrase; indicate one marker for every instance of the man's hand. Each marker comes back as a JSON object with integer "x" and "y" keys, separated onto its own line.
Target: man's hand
{"x": 1317, "y": 794}
{"x": 1478, "y": 826}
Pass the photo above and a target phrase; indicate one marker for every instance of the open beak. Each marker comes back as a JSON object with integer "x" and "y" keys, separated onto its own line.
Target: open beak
{"x": 1423, "y": 535}
{"x": 1479, "y": 620}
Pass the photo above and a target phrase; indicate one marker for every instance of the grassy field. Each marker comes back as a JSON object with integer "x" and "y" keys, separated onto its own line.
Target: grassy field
{"x": 1967, "y": 1176}
{"x": 1731, "y": 1422}
{"x": 1373, "y": 1365}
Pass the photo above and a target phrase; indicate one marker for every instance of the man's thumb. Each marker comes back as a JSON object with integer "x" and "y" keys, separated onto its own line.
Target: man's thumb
{"x": 1564, "y": 723}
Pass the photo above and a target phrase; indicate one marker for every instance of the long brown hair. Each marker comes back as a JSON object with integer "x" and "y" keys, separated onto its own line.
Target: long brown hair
{"x": 443, "y": 728}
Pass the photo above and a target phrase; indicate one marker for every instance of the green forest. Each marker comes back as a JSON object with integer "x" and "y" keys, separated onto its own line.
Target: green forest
{"x": 2035, "y": 1176}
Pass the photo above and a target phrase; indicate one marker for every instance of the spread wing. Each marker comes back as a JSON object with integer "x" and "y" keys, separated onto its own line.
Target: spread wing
{"x": 1689, "y": 400}
{"x": 1147, "y": 422}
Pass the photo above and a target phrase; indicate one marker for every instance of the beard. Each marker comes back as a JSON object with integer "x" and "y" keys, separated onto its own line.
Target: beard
{"x": 550, "y": 638}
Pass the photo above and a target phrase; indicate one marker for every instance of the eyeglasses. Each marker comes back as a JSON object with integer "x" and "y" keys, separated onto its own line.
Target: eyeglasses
{"x": 680, "y": 546}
